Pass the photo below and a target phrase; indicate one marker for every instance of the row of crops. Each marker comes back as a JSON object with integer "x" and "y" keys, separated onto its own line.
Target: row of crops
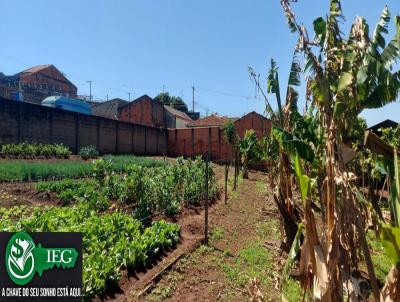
{"x": 114, "y": 211}
{"x": 18, "y": 170}
{"x": 31, "y": 150}
{"x": 150, "y": 190}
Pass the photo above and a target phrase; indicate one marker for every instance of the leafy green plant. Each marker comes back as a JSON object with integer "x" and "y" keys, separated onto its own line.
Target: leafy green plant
{"x": 88, "y": 152}
{"x": 156, "y": 190}
{"x": 29, "y": 150}
{"x": 392, "y": 136}
{"x": 17, "y": 170}
{"x": 247, "y": 149}
{"x": 111, "y": 241}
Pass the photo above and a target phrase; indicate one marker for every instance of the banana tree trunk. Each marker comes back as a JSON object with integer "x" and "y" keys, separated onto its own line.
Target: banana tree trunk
{"x": 391, "y": 290}
{"x": 332, "y": 244}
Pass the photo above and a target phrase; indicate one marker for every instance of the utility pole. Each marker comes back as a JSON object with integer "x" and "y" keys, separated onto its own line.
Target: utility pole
{"x": 192, "y": 98}
{"x": 90, "y": 89}
{"x": 129, "y": 96}
{"x": 163, "y": 88}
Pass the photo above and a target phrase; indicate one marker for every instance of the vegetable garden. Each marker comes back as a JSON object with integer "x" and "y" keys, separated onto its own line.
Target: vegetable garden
{"x": 119, "y": 208}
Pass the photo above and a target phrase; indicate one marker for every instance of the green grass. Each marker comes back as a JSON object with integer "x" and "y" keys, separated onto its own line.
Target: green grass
{"x": 292, "y": 291}
{"x": 380, "y": 260}
{"x": 253, "y": 261}
{"x": 269, "y": 229}
{"x": 19, "y": 170}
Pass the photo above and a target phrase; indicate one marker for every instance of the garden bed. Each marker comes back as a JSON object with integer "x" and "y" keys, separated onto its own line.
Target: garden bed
{"x": 102, "y": 206}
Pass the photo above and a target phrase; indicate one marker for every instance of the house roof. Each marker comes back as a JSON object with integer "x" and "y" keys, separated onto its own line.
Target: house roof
{"x": 141, "y": 98}
{"x": 40, "y": 69}
{"x": 177, "y": 113}
{"x": 37, "y": 68}
{"x": 384, "y": 124}
{"x": 109, "y": 109}
{"x": 212, "y": 120}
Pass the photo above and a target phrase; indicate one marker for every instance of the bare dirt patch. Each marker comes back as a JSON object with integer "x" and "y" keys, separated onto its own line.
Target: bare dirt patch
{"x": 20, "y": 193}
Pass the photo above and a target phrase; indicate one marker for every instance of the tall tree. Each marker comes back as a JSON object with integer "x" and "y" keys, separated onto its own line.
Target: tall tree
{"x": 173, "y": 101}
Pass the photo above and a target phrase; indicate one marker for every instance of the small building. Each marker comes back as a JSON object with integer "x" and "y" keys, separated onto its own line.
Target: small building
{"x": 149, "y": 112}
{"x": 109, "y": 109}
{"x": 176, "y": 118}
{"x": 253, "y": 120}
{"x": 36, "y": 84}
{"x": 384, "y": 124}
{"x": 144, "y": 111}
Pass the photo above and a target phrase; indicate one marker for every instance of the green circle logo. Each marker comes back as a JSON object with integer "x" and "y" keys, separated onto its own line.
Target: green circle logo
{"x": 20, "y": 262}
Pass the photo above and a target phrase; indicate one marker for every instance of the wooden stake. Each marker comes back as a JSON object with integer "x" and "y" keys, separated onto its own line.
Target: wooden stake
{"x": 235, "y": 169}
{"x": 226, "y": 182}
{"x": 206, "y": 204}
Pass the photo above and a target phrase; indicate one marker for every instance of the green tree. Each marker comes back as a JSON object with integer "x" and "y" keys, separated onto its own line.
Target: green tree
{"x": 173, "y": 101}
{"x": 392, "y": 136}
{"x": 355, "y": 133}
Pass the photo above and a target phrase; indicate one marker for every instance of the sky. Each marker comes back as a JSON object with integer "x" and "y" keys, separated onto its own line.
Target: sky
{"x": 150, "y": 46}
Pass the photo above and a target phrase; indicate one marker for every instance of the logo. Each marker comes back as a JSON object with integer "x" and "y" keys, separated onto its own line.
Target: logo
{"x": 24, "y": 259}
{"x": 20, "y": 262}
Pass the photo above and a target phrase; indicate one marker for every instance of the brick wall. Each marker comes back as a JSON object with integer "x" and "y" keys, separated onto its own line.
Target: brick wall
{"x": 255, "y": 121}
{"x": 144, "y": 111}
{"x": 190, "y": 142}
{"x": 21, "y": 122}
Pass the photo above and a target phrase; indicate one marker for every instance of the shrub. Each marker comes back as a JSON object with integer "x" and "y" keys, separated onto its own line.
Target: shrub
{"x": 29, "y": 150}
{"x": 88, "y": 152}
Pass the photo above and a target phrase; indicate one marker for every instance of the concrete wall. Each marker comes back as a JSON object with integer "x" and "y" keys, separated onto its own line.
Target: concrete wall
{"x": 20, "y": 122}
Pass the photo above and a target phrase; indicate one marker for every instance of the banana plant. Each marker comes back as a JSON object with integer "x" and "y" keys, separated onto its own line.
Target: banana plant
{"x": 282, "y": 126}
{"x": 247, "y": 149}
{"x": 345, "y": 76}
{"x": 390, "y": 237}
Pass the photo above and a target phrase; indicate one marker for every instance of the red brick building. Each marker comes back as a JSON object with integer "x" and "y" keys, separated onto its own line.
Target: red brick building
{"x": 144, "y": 111}
{"x": 149, "y": 112}
{"x": 37, "y": 83}
{"x": 49, "y": 78}
{"x": 195, "y": 140}
{"x": 253, "y": 120}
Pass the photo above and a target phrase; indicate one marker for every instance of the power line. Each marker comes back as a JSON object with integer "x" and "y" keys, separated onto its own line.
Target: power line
{"x": 121, "y": 90}
{"x": 228, "y": 93}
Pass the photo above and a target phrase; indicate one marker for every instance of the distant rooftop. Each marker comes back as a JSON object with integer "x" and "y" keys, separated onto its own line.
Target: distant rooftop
{"x": 109, "y": 109}
{"x": 209, "y": 121}
{"x": 178, "y": 113}
{"x": 37, "y": 68}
